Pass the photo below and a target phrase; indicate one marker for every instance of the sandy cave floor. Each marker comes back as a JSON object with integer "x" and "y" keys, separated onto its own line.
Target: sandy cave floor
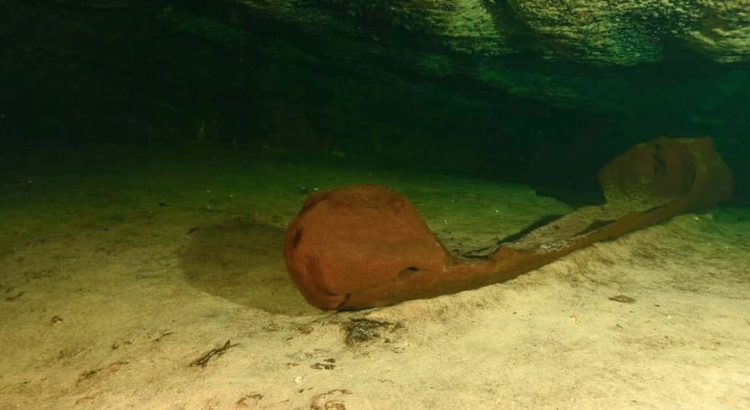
{"x": 115, "y": 278}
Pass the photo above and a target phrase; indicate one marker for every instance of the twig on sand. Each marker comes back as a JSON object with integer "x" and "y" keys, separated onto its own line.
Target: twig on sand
{"x": 203, "y": 360}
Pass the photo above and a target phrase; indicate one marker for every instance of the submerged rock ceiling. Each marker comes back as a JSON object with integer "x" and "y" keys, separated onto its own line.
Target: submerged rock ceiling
{"x": 564, "y": 52}
{"x": 583, "y": 54}
{"x": 623, "y": 32}
{"x": 400, "y": 71}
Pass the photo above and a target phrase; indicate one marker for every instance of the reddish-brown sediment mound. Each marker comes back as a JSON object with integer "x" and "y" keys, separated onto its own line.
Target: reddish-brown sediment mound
{"x": 367, "y": 246}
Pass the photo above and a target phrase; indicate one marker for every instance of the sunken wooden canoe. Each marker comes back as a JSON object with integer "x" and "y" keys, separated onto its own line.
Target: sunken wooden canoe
{"x": 367, "y": 246}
